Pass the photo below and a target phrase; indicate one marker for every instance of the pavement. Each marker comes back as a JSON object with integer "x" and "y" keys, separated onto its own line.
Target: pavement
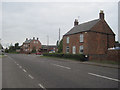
{"x": 31, "y": 71}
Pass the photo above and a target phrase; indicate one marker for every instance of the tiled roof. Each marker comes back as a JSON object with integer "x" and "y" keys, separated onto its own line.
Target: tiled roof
{"x": 28, "y": 41}
{"x": 82, "y": 27}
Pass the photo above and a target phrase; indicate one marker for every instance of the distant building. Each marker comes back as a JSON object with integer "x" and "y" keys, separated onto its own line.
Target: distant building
{"x": 31, "y": 45}
{"x": 93, "y": 37}
{"x": 49, "y": 48}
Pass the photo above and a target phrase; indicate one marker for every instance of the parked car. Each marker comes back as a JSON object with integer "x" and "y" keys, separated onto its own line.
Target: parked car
{"x": 38, "y": 53}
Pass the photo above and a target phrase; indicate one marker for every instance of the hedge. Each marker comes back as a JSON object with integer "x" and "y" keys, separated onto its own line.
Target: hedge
{"x": 79, "y": 57}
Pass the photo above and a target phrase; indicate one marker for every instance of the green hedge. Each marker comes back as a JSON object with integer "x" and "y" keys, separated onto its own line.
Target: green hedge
{"x": 79, "y": 57}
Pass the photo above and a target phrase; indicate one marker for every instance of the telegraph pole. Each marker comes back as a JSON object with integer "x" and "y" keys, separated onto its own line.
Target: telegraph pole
{"x": 59, "y": 35}
{"x": 47, "y": 42}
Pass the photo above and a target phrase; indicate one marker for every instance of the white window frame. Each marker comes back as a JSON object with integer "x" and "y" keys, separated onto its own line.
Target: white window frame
{"x": 81, "y": 37}
{"x": 81, "y": 48}
{"x": 74, "y": 49}
{"x": 67, "y": 49}
{"x": 67, "y": 40}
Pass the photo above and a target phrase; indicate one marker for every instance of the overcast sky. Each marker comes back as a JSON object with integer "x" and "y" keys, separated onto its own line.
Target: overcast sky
{"x": 21, "y": 20}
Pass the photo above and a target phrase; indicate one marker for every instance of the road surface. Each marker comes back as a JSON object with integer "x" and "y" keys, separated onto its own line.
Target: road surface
{"x": 31, "y": 71}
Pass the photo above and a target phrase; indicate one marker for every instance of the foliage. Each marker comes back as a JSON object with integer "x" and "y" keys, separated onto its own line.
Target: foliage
{"x": 6, "y": 50}
{"x": 12, "y": 49}
{"x": 79, "y": 57}
{"x": 60, "y": 46}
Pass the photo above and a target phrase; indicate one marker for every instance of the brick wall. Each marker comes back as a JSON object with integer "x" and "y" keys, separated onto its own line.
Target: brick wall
{"x": 112, "y": 55}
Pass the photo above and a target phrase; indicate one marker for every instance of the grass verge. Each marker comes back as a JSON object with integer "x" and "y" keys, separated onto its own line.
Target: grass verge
{"x": 105, "y": 62}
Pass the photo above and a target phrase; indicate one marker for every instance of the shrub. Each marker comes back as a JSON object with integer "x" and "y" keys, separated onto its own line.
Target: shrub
{"x": 79, "y": 57}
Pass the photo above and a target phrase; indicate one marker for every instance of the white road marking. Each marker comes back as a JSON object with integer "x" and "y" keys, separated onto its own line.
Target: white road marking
{"x": 104, "y": 77}
{"x": 20, "y": 66}
{"x": 31, "y": 76}
{"x": 24, "y": 70}
{"x": 42, "y": 86}
{"x": 61, "y": 66}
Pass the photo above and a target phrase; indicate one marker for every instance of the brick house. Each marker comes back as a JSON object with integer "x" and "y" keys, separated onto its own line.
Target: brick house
{"x": 93, "y": 37}
{"x": 29, "y": 45}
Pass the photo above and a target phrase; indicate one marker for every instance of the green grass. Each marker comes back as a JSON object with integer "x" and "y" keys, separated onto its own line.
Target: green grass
{"x": 105, "y": 62}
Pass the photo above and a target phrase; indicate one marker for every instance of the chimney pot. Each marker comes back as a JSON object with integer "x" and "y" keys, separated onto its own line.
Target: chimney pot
{"x": 101, "y": 15}
{"x": 76, "y": 22}
{"x": 33, "y": 38}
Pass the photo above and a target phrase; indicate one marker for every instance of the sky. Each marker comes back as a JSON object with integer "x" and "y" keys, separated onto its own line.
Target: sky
{"x": 21, "y": 20}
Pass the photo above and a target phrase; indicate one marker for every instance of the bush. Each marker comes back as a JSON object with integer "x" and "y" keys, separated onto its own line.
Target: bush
{"x": 79, "y": 57}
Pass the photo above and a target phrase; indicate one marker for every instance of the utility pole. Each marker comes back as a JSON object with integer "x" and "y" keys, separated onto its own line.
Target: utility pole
{"x": 47, "y": 42}
{"x": 59, "y": 35}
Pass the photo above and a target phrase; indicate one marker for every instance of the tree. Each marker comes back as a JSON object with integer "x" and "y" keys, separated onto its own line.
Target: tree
{"x": 6, "y": 50}
{"x": 17, "y": 46}
{"x": 60, "y": 46}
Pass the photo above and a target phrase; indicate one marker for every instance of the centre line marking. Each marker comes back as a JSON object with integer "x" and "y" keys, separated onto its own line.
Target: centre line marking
{"x": 31, "y": 76}
{"x": 42, "y": 86}
{"x": 24, "y": 70}
{"x": 104, "y": 77}
{"x": 61, "y": 66}
{"x": 20, "y": 66}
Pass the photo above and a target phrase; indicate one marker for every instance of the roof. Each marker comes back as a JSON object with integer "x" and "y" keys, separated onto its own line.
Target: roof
{"x": 83, "y": 27}
{"x": 28, "y": 41}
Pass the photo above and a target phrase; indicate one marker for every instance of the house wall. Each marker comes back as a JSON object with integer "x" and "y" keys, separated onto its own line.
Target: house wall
{"x": 74, "y": 40}
{"x": 36, "y": 45}
{"x": 30, "y": 46}
{"x": 112, "y": 55}
{"x": 94, "y": 43}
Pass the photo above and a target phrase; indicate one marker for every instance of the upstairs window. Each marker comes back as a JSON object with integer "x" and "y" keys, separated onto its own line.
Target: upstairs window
{"x": 81, "y": 49}
{"x": 67, "y": 49}
{"x": 81, "y": 37}
{"x": 67, "y": 39}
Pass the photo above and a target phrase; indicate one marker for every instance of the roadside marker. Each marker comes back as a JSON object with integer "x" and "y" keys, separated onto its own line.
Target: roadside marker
{"x": 20, "y": 66}
{"x": 104, "y": 77}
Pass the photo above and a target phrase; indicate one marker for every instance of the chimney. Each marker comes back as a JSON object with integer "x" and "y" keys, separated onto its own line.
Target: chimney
{"x": 76, "y": 22}
{"x": 26, "y": 39}
{"x": 101, "y": 15}
{"x": 33, "y": 38}
{"x": 37, "y": 38}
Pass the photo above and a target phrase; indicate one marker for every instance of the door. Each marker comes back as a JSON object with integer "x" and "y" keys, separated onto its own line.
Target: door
{"x": 74, "y": 50}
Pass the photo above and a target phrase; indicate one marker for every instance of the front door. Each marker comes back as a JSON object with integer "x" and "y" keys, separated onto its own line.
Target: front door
{"x": 74, "y": 50}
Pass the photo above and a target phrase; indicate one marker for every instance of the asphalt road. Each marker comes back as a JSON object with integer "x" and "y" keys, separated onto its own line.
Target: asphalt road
{"x": 31, "y": 71}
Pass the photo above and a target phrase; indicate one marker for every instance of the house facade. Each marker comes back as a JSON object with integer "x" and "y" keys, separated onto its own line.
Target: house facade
{"x": 31, "y": 44}
{"x": 93, "y": 37}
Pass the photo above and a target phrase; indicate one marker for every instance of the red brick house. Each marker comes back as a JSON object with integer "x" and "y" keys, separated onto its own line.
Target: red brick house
{"x": 93, "y": 37}
{"x": 29, "y": 45}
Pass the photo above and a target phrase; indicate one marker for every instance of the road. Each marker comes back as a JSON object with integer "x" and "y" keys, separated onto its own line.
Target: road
{"x": 31, "y": 71}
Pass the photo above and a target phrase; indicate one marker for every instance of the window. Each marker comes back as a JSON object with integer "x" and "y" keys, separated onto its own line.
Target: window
{"x": 81, "y": 37}
{"x": 81, "y": 49}
{"x": 67, "y": 49}
{"x": 67, "y": 39}
{"x": 74, "y": 50}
